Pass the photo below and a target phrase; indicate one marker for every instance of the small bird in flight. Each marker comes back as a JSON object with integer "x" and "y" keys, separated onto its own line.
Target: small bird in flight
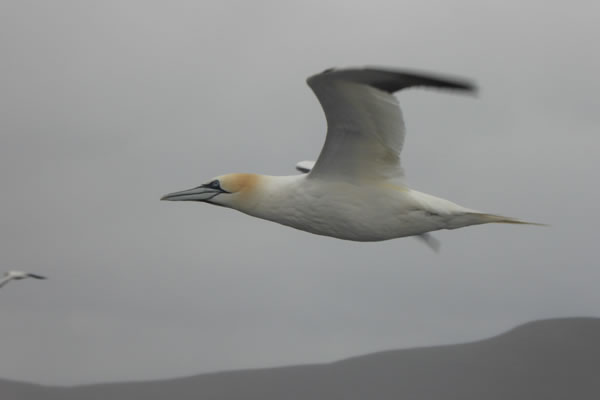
{"x": 17, "y": 275}
{"x": 355, "y": 189}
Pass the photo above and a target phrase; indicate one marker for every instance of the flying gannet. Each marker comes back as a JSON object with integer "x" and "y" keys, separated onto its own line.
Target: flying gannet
{"x": 10, "y": 275}
{"x": 354, "y": 190}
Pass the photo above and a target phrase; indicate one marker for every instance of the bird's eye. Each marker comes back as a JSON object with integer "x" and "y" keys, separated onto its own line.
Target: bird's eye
{"x": 213, "y": 185}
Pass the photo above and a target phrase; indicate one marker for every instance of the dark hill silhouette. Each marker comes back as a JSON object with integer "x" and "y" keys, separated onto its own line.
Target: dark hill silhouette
{"x": 549, "y": 359}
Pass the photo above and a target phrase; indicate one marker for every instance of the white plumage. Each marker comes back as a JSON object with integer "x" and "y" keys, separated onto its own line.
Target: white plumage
{"x": 354, "y": 190}
{"x": 17, "y": 275}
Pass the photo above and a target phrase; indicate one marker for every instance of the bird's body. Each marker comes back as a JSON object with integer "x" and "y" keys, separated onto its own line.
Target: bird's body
{"x": 17, "y": 275}
{"x": 355, "y": 190}
{"x": 362, "y": 212}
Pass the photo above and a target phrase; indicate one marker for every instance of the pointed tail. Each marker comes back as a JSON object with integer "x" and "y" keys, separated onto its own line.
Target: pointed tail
{"x": 491, "y": 218}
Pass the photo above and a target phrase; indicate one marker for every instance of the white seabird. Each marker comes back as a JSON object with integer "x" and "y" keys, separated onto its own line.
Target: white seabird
{"x": 10, "y": 275}
{"x": 354, "y": 190}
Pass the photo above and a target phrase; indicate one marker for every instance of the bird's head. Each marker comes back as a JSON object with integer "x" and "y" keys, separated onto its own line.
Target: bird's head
{"x": 231, "y": 190}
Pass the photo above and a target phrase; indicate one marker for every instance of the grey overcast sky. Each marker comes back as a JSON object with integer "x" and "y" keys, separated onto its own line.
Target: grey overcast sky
{"x": 105, "y": 106}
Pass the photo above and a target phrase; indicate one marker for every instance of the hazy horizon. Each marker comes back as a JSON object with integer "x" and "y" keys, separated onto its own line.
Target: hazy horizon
{"x": 549, "y": 359}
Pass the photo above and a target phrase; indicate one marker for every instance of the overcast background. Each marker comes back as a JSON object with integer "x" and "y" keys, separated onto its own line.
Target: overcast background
{"x": 106, "y": 106}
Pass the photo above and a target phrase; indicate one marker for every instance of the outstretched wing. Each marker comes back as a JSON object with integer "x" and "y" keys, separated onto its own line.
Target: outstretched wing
{"x": 5, "y": 280}
{"x": 36, "y": 276}
{"x": 365, "y": 129}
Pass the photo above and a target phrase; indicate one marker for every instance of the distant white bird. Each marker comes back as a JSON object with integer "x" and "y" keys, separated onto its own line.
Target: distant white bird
{"x": 355, "y": 190}
{"x": 10, "y": 275}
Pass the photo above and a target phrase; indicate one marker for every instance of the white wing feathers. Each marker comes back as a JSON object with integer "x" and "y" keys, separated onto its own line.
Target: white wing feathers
{"x": 365, "y": 129}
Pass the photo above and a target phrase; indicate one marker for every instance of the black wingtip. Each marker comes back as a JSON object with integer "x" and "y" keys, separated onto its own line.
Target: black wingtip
{"x": 36, "y": 276}
{"x": 391, "y": 80}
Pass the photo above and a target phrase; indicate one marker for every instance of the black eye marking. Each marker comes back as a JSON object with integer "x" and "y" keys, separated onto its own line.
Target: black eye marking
{"x": 212, "y": 184}
{"x": 215, "y": 185}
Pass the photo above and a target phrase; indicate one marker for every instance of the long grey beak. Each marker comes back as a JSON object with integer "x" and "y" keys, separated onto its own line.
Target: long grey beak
{"x": 201, "y": 193}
